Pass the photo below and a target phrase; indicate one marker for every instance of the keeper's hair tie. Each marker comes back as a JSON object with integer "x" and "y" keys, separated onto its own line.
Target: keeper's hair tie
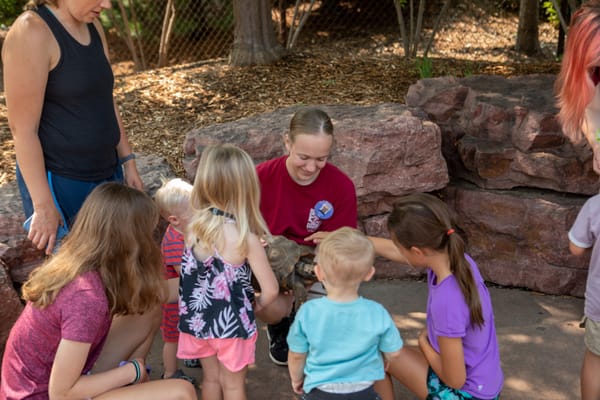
{"x": 449, "y": 231}
{"x": 220, "y": 212}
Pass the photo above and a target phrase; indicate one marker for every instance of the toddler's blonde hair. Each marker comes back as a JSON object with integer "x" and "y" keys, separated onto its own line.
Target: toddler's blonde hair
{"x": 345, "y": 256}
{"x": 172, "y": 195}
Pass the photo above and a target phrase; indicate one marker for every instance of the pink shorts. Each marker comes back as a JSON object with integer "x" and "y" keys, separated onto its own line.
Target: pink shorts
{"x": 234, "y": 354}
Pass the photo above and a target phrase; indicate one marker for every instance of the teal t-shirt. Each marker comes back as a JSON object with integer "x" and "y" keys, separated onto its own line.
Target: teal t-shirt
{"x": 344, "y": 341}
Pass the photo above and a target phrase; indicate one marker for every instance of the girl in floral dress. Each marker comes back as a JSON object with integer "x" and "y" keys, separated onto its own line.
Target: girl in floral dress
{"x": 217, "y": 304}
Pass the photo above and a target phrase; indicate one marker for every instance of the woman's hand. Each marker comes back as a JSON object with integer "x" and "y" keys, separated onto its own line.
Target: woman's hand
{"x": 132, "y": 176}
{"x": 317, "y": 237}
{"x": 43, "y": 227}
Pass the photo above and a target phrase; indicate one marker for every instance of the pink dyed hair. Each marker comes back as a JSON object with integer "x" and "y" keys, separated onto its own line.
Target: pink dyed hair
{"x": 574, "y": 85}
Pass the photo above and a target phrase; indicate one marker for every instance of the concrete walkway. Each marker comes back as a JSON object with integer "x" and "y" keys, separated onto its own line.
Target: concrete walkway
{"x": 541, "y": 344}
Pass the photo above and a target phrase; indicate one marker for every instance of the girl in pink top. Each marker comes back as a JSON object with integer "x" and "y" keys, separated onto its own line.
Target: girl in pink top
{"x": 91, "y": 306}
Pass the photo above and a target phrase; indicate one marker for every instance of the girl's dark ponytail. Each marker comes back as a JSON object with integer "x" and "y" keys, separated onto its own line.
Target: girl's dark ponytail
{"x": 464, "y": 276}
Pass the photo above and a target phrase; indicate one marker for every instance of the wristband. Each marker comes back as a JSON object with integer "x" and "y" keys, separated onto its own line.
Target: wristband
{"x": 138, "y": 371}
{"x": 130, "y": 156}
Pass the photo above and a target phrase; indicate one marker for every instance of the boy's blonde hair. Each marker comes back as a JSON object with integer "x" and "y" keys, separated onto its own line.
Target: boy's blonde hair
{"x": 113, "y": 235}
{"x": 345, "y": 256}
{"x": 172, "y": 195}
{"x": 225, "y": 179}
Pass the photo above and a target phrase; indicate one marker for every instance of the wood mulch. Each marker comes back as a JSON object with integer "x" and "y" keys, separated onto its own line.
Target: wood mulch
{"x": 159, "y": 106}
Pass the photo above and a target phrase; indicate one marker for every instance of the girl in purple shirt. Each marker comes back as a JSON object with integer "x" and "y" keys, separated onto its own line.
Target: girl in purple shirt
{"x": 458, "y": 356}
{"x": 92, "y": 309}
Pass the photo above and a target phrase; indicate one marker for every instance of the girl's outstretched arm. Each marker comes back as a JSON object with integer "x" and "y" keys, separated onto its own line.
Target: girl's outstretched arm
{"x": 386, "y": 248}
{"x": 383, "y": 247}
{"x": 257, "y": 258}
{"x": 449, "y": 363}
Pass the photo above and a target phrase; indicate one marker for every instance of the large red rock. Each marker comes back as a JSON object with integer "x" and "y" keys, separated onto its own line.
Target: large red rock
{"x": 502, "y": 133}
{"x": 519, "y": 237}
{"x": 387, "y": 150}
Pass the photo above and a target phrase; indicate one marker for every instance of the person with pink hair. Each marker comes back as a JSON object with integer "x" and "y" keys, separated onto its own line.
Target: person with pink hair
{"x": 577, "y": 83}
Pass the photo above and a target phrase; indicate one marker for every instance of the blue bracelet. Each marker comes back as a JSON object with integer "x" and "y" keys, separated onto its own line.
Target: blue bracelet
{"x": 128, "y": 157}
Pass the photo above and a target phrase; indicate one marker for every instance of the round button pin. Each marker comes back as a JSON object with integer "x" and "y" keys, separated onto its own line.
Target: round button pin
{"x": 324, "y": 209}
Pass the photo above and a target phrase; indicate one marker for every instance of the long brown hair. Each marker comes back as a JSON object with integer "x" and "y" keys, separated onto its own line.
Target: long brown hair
{"x": 112, "y": 234}
{"x": 422, "y": 220}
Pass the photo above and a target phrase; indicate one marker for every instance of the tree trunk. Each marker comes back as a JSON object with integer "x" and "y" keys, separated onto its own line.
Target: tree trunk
{"x": 165, "y": 33}
{"x": 282, "y": 31}
{"x": 254, "y": 36}
{"x": 528, "y": 40}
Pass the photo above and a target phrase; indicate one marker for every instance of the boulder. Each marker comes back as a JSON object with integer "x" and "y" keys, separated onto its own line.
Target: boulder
{"x": 502, "y": 133}
{"x": 519, "y": 237}
{"x": 387, "y": 150}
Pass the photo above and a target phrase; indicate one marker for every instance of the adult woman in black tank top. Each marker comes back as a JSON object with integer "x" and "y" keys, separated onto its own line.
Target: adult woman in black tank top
{"x": 58, "y": 84}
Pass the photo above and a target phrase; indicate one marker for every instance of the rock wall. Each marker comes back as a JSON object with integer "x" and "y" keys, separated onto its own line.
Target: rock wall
{"x": 501, "y": 134}
{"x": 490, "y": 146}
{"x": 387, "y": 150}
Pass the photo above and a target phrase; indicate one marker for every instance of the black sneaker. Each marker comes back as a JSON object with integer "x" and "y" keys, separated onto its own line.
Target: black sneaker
{"x": 278, "y": 347}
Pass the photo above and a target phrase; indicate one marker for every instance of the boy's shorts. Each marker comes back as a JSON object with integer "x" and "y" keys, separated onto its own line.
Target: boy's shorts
{"x": 592, "y": 336}
{"x": 235, "y": 354}
{"x": 437, "y": 390}
{"x": 366, "y": 394}
{"x": 170, "y": 320}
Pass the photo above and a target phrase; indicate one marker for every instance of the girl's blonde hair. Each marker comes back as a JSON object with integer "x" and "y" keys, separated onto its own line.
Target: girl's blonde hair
{"x": 574, "y": 85}
{"x": 346, "y": 256}
{"x": 113, "y": 235}
{"x": 226, "y": 180}
{"x": 310, "y": 121}
{"x": 173, "y": 195}
{"x": 424, "y": 221}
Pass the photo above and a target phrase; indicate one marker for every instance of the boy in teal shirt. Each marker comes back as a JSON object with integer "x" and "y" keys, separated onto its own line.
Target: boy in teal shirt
{"x": 336, "y": 342}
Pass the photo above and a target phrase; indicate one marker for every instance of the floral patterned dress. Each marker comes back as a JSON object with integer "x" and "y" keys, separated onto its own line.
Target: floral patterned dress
{"x": 215, "y": 298}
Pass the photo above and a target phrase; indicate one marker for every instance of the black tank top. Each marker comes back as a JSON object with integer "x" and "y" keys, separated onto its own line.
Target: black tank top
{"x": 78, "y": 128}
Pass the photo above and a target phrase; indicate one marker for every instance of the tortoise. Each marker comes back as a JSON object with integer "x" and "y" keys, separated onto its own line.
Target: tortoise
{"x": 293, "y": 265}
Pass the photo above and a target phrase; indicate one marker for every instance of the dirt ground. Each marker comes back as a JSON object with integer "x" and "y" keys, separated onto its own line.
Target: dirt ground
{"x": 159, "y": 106}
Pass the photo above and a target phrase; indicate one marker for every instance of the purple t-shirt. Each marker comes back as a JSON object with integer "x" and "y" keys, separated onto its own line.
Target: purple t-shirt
{"x": 448, "y": 316}
{"x": 79, "y": 313}
{"x": 585, "y": 233}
